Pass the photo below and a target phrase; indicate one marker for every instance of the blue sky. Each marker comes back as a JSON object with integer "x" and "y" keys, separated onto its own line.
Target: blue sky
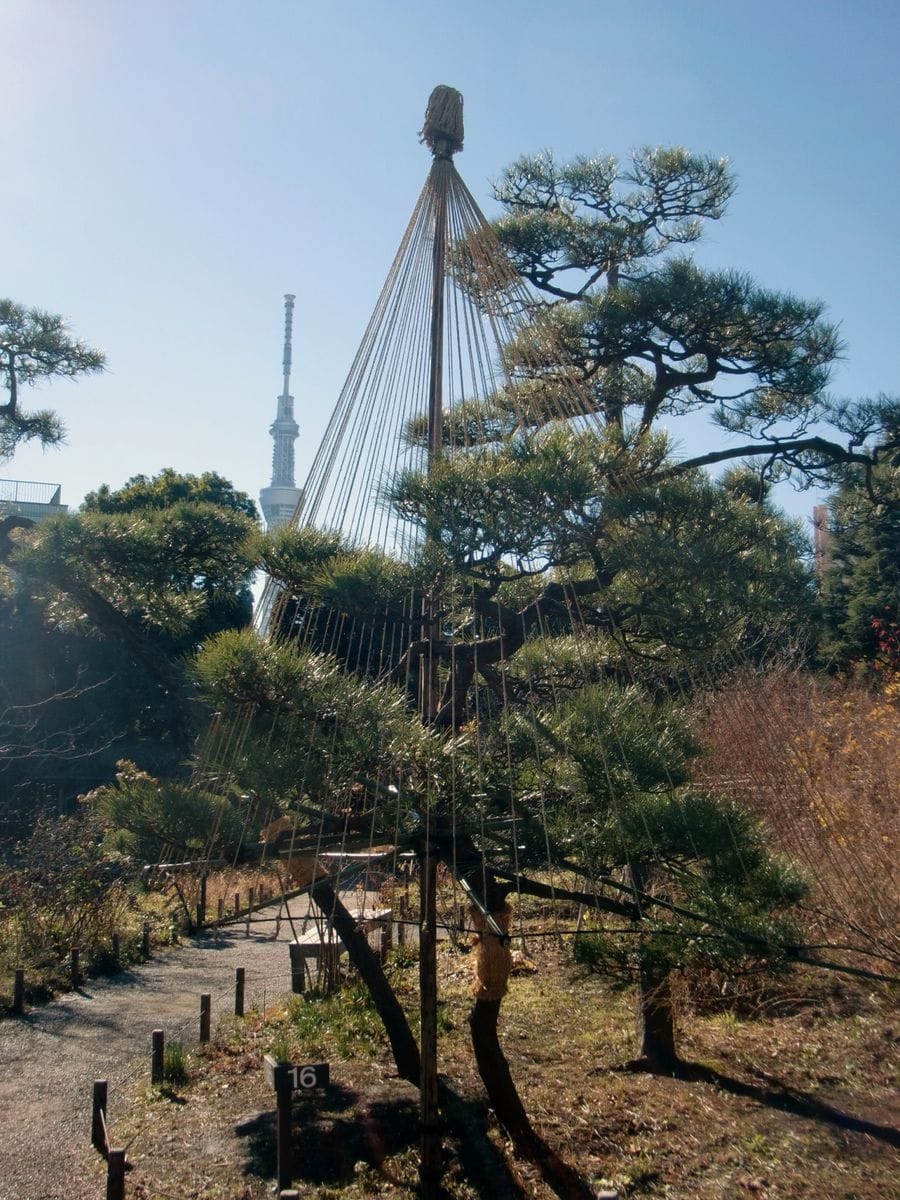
{"x": 172, "y": 167}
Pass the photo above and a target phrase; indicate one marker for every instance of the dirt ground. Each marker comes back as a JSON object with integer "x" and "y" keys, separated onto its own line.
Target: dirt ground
{"x": 799, "y": 1102}
{"x": 51, "y": 1056}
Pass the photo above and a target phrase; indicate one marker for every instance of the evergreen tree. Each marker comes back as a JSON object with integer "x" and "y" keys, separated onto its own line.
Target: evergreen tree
{"x": 97, "y": 613}
{"x": 36, "y": 345}
{"x": 861, "y": 584}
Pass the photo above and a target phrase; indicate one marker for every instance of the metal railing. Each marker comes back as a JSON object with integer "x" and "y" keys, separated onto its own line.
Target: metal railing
{"x": 28, "y": 491}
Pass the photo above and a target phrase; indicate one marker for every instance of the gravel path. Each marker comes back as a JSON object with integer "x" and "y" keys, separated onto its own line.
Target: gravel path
{"x": 50, "y": 1057}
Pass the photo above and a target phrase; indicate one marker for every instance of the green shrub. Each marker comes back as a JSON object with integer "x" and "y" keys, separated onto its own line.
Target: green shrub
{"x": 152, "y": 819}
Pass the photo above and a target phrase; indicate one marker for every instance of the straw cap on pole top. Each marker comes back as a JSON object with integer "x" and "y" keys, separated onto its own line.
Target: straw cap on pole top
{"x": 443, "y": 128}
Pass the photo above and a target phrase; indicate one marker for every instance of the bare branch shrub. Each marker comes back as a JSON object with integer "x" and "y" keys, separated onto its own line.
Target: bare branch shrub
{"x": 819, "y": 760}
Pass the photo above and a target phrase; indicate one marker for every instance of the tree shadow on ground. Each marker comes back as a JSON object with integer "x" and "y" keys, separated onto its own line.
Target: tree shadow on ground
{"x": 775, "y": 1093}
{"x": 343, "y": 1128}
{"x": 331, "y": 1135}
{"x": 485, "y": 1164}
{"x": 481, "y": 1161}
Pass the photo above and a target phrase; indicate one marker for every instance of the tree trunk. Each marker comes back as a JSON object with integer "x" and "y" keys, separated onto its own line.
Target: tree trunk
{"x": 498, "y": 1082}
{"x": 655, "y": 1020}
{"x": 492, "y": 966}
{"x": 655, "y": 1013}
{"x": 364, "y": 958}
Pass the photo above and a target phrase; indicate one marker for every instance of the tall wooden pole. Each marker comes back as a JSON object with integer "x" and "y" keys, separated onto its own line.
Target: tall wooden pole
{"x": 430, "y": 1165}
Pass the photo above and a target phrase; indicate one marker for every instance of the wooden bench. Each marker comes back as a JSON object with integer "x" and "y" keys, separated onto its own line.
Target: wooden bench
{"x": 310, "y": 948}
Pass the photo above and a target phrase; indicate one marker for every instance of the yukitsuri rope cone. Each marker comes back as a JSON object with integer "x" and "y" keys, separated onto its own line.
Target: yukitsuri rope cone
{"x": 452, "y": 361}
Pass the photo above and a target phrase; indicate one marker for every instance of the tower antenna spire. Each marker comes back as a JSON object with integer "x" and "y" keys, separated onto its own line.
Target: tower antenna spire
{"x": 288, "y": 330}
{"x": 280, "y": 498}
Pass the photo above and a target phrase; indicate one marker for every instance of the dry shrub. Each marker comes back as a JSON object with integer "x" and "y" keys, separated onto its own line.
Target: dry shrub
{"x": 819, "y": 760}
{"x": 62, "y": 891}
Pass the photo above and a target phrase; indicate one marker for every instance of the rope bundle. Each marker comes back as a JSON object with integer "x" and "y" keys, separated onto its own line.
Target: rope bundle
{"x": 443, "y": 128}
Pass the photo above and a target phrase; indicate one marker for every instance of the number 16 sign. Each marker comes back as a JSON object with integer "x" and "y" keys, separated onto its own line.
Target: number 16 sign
{"x": 299, "y": 1078}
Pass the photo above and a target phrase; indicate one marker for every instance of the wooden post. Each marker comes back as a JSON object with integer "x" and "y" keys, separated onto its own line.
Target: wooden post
{"x": 115, "y": 1175}
{"x": 430, "y": 1154}
{"x": 285, "y": 1157}
{"x": 201, "y": 903}
{"x": 157, "y": 1055}
{"x": 298, "y": 968}
{"x": 237, "y": 903}
{"x": 205, "y": 1012}
{"x": 220, "y": 909}
{"x": 98, "y": 1117}
{"x": 145, "y": 940}
{"x": 328, "y": 962}
{"x": 239, "y": 978}
{"x": 116, "y": 948}
{"x": 19, "y": 991}
{"x": 75, "y": 967}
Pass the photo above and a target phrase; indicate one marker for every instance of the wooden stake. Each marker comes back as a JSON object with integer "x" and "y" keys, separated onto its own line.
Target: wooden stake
{"x": 298, "y": 968}
{"x": 284, "y": 1147}
{"x": 145, "y": 940}
{"x": 239, "y": 977}
{"x": 115, "y": 1175}
{"x": 75, "y": 964}
{"x": 98, "y": 1117}
{"x": 19, "y": 991}
{"x": 157, "y": 1056}
{"x": 205, "y": 1013}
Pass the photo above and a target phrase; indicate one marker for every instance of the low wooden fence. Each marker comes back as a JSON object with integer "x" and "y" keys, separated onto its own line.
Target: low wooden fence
{"x": 101, "y": 1141}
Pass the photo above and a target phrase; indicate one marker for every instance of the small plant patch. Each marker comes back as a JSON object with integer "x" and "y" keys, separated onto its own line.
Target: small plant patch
{"x": 175, "y": 1064}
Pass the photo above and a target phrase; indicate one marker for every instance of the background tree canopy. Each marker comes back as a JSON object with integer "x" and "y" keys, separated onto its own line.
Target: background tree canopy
{"x": 861, "y": 588}
{"x": 98, "y": 613}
